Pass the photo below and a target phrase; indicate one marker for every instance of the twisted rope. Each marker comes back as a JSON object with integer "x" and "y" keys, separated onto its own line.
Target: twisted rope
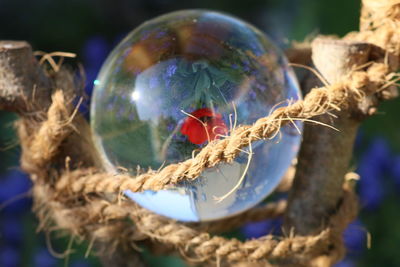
{"x": 100, "y": 217}
{"x": 200, "y": 246}
{"x": 76, "y": 198}
{"x": 319, "y": 101}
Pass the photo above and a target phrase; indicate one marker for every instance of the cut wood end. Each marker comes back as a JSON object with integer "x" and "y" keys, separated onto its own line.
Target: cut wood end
{"x": 334, "y": 41}
{"x": 13, "y": 45}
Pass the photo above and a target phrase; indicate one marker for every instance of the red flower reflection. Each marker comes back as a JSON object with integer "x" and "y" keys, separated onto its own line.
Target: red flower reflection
{"x": 203, "y": 125}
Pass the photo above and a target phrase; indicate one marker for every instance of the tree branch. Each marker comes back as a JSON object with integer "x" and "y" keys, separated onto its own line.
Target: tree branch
{"x": 23, "y": 85}
{"x": 325, "y": 154}
{"x": 26, "y": 90}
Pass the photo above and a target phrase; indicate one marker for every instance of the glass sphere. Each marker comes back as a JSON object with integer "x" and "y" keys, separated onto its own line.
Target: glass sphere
{"x": 180, "y": 81}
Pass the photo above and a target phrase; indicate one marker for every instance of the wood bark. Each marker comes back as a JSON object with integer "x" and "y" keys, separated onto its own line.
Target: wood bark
{"x": 325, "y": 154}
{"x": 23, "y": 85}
{"x": 26, "y": 90}
{"x": 324, "y": 157}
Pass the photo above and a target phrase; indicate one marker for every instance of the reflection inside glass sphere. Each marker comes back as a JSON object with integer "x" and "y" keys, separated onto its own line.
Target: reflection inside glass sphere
{"x": 181, "y": 81}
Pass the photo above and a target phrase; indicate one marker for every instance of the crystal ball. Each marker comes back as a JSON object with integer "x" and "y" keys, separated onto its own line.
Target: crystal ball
{"x": 180, "y": 81}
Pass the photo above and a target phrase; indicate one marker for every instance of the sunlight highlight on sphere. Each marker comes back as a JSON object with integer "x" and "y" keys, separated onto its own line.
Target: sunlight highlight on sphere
{"x": 180, "y": 81}
{"x": 135, "y": 96}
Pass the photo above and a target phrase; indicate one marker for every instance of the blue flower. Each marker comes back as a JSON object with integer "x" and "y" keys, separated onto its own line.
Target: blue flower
{"x": 345, "y": 263}
{"x": 12, "y": 188}
{"x": 359, "y": 140}
{"x": 258, "y": 229}
{"x": 395, "y": 170}
{"x": 44, "y": 259}
{"x": 9, "y": 257}
{"x": 11, "y": 230}
{"x": 95, "y": 50}
{"x": 372, "y": 166}
{"x": 355, "y": 238}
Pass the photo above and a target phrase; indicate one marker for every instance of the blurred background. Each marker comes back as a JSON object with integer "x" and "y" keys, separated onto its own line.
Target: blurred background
{"x": 91, "y": 28}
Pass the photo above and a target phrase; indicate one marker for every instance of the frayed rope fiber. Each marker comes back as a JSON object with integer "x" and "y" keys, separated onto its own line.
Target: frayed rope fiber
{"x": 73, "y": 194}
{"x": 59, "y": 196}
{"x": 319, "y": 101}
